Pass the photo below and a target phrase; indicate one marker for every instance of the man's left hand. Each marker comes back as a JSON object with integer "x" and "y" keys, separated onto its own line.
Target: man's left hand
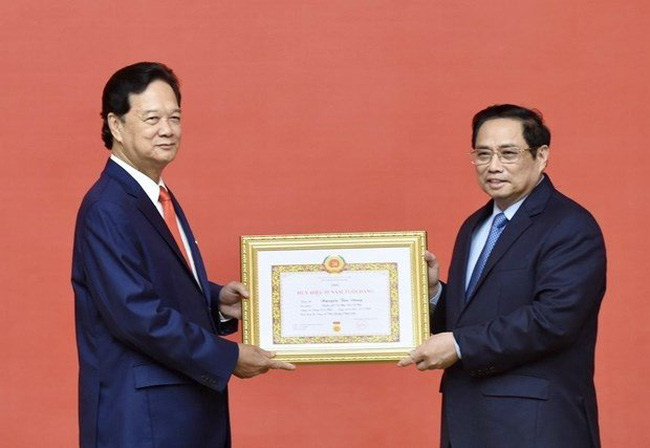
{"x": 230, "y": 298}
{"x": 437, "y": 352}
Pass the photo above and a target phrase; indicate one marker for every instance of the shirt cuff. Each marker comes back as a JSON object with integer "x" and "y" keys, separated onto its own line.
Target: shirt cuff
{"x": 434, "y": 300}
{"x": 223, "y": 318}
{"x": 457, "y": 347}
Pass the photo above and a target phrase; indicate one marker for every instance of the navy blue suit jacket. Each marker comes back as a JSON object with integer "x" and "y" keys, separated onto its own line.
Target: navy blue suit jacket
{"x": 528, "y": 333}
{"x": 153, "y": 368}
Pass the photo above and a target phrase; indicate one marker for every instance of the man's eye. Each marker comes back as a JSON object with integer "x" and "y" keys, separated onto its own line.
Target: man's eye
{"x": 175, "y": 119}
{"x": 509, "y": 154}
{"x": 484, "y": 154}
{"x": 152, "y": 119}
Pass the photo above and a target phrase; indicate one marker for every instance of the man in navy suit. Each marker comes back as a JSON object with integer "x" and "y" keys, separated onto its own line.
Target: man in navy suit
{"x": 515, "y": 326}
{"x": 153, "y": 365}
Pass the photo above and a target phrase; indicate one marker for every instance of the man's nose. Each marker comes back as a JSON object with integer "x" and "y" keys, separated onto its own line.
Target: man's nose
{"x": 165, "y": 128}
{"x": 495, "y": 163}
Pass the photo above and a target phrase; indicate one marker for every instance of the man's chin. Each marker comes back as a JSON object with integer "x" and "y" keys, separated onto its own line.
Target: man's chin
{"x": 495, "y": 192}
{"x": 165, "y": 158}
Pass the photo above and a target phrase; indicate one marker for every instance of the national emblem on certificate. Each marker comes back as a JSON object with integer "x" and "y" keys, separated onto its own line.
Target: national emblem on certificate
{"x": 336, "y": 297}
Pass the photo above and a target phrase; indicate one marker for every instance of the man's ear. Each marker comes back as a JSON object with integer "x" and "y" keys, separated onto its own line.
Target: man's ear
{"x": 542, "y": 156}
{"x": 116, "y": 125}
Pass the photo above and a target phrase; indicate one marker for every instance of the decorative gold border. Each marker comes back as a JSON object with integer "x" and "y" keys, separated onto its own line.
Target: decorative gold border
{"x": 415, "y": 241}
{"x": 277, "y": 271}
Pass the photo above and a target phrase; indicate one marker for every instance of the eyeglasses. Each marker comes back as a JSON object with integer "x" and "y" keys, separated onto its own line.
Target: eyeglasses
{"x": 481, "y": 157}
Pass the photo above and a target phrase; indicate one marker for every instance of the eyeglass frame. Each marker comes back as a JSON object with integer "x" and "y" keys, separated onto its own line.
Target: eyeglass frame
{"x": 519, "y": 151}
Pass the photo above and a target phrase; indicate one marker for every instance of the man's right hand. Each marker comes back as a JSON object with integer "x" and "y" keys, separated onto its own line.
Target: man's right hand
{"x": 433, "y": 273}
{"x": 254, "y": 361}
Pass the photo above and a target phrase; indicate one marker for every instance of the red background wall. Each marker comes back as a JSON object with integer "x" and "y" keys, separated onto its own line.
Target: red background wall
{"x": 318, "y": 116}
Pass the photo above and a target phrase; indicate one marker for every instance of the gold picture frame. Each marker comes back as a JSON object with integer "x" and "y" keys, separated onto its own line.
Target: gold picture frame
{"x": 336, "y": 297}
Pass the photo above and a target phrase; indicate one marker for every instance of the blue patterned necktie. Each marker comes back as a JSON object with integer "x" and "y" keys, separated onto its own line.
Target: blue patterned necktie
{"x": 498, "y": 225}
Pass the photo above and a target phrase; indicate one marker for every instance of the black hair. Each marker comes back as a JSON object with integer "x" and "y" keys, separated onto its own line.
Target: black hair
{"x": 535, "y": 132}
{"x": 132, "y": 79}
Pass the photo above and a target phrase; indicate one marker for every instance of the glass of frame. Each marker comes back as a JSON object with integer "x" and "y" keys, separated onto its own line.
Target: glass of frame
{"x": 336, "y": 297}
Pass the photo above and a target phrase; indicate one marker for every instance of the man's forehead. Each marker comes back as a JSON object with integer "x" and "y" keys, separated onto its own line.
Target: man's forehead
{"x": 157, "y": 96}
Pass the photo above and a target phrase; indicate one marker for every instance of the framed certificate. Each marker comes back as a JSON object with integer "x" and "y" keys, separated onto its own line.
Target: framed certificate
{"x": 336, "y": 297}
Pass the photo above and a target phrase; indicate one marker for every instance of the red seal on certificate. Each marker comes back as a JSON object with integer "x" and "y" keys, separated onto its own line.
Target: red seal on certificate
{"x": 336, "y": 326}
{"x": 334, "y": 264}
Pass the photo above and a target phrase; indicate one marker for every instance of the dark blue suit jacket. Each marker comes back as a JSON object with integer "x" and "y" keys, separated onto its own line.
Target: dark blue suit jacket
{"x": 528, "y": 333}
{"x": 153, "y": 369}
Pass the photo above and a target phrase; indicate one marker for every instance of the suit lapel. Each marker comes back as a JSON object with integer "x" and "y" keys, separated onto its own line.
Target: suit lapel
{"x": 520, "y": 222}
{"x": 150, "y": 212}
{"x": 196, "y": 255}
{"x": 148, "y": 209}
{"x": 464, "y": 246}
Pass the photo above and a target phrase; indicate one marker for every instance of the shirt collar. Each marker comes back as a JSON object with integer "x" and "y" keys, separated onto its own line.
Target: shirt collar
{"x": 510, "y": 211}
{"x": 151, "y": 188}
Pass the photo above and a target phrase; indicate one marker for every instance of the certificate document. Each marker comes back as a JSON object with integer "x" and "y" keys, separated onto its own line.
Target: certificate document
{"x": 336, "y": 297}
{"x": 312, "y": 303}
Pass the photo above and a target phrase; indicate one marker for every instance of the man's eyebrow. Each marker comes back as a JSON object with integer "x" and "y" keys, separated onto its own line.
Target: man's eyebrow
{"x": 502, "y": 145}
{"x": 152, "y": 111}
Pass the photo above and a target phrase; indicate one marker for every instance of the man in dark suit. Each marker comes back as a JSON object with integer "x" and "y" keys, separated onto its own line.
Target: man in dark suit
{"x": 153, "y": 365}
{"x": 515, "y": 326}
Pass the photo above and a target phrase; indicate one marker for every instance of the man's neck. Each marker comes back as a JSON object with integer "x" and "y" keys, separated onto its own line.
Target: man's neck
{"x": 152, "y": 173}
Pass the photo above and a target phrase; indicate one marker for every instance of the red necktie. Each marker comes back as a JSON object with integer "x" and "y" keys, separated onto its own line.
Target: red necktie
{"x": 170, "y": 219}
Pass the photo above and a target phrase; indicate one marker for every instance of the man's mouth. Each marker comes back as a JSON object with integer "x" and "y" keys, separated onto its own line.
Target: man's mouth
{"x": 495, "y": 182}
